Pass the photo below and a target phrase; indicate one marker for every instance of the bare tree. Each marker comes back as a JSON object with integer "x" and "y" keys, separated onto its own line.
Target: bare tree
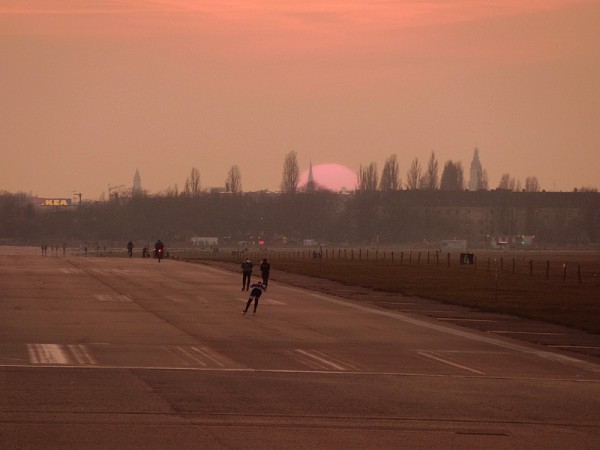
{"x": 509, "y": 183}
{"x": 504, "y": 181}
{"x": 172, "y": 191}
{"x": 483, "y": 182}
{"x": 233, "y": 183}
{"x": 430, "y": 178}
{"x": 413, "y": 176}
{"x": 291, "y": 174}
{"x": 460, "y": 176}
{"x": 452, "y": 177}
{"x": 191, "y": 187}
{"x": 368, "y": 178}
{"x": 390, "y": 175}
{"x": 532, "y": 184}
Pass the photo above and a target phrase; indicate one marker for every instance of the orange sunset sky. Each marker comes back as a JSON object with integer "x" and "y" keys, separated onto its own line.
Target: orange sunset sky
{"x": 93, "y": 90}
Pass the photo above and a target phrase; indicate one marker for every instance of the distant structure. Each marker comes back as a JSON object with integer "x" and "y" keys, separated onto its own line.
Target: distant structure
{"x": 310, "y": 182}
{"x": 476, "y": 173}
{"x": 137, "y": 183}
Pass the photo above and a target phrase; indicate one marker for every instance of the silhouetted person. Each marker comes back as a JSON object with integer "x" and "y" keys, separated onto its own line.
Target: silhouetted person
{"x": 265, "y": 269}
{"x": 246, "y": 274}
{"x": 130, "y": 249}
{"x": 255, "y": 293}
{"x": 159, "y": 246}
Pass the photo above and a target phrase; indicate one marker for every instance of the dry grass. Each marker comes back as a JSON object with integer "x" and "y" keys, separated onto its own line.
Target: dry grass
{"x": 532, "y": 285}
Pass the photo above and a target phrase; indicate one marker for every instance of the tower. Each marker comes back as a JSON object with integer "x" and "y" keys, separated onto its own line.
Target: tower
{"x": 476, "y": 172}
{"x": 137, "y": 183}
{"x": 310, "y": 182}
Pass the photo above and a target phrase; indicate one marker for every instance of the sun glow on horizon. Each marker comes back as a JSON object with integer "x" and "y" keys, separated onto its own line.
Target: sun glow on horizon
{"x": 335, "y": 177}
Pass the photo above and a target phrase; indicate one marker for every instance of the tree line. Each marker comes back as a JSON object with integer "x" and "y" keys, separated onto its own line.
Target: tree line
{"x": 430, "y": 176}
{"x": 381, "y": 217}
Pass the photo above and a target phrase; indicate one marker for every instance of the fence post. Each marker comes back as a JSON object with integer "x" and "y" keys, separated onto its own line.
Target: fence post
{"x": 531, "y": 267}
{"x": 448, "y": 259}
{"x": 392, "y": 256}
{"x": 547, "y": 269}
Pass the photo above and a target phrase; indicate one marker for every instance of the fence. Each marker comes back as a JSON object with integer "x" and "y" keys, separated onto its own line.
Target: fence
{"x": 550, "y": 266}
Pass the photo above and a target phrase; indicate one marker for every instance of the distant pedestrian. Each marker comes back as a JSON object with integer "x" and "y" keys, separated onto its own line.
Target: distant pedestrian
{"x": 130, "y": 249}
{"x": 246, "y": 274}
{"x": 265, "y": 269}
{"x": 255, "y": 293}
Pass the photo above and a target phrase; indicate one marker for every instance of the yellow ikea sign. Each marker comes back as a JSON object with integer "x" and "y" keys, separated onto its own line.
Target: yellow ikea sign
{"x": 56, "y": 202}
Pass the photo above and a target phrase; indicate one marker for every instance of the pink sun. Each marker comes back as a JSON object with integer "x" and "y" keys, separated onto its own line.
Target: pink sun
{"x": 334, "y": 177}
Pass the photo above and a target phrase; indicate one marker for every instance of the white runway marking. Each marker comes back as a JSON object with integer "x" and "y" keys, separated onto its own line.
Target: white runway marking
{"x": 71, "y": 270}
{"x": 112, "y": 298}
{"x": 59, "y": 354}
{"x": 459, "y": 319}
{"x": 176, "y": 300}
{"x": 450, "y": 363}
{"x": 324, "y": 361}
{"x": 550, "y": 356}
{"x": 201, "y": 300}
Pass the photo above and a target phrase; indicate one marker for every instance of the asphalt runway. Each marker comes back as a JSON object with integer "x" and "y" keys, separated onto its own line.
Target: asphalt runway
{"x": 130, "y": 353}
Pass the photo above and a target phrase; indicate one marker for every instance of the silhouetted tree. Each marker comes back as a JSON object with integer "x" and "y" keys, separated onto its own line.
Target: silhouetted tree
{"x": 484, "y": 181}
{"x": 192, "y": 184}
{"x": 430, "y": 178}
{"x": 390, "y": 175}
{"x": 452, "y": 177}
{"x": 413, "y": 176}
{"x": 233, "y": 183}
{"x": 509, "y": 183}
{"x": 368, "y": 178}
{"x": 532, "y": 184}
{"x": 291, "y": 174}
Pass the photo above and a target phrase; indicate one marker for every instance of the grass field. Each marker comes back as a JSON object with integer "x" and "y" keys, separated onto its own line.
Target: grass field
{"x": 556, "y": 287}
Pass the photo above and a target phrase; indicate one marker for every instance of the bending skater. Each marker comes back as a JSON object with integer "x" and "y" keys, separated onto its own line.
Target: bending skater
{"x": 256, "y": 291}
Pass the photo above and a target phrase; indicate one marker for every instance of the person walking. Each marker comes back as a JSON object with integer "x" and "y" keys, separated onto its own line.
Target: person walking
{"x": 246, "y": 274}
{"x": 265, "y": 269}
{"x": 130, "y": 249}
{"x": 255, "y": 293}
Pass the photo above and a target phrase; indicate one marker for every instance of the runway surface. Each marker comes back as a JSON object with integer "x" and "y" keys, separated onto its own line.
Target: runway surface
{"x": 131, "y": 353}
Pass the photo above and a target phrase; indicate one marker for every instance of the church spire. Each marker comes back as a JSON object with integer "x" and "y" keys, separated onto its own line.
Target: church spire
{"x": 476, "y": 173}
{"x": 137, "y": 183}
{"x": 310, "y": 182}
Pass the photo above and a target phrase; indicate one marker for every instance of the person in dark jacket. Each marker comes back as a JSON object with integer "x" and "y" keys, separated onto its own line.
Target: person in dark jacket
{"x": 246, "y": 274}
{"x": 265, "y": 269}
{"x": 255, "y": 293}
